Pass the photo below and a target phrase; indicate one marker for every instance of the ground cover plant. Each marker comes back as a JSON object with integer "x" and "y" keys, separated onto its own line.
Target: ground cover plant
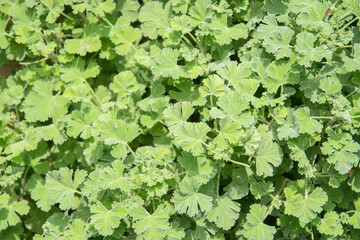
{"x": 180, "y": 119}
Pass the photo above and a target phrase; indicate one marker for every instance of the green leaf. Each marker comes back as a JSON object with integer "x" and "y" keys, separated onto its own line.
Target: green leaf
{"x": 191, "y": 137}
{"x": 10, "y": 209}
{"x": 55, "y": 7}
{"x": 53, "y": 132}
{"x": 129, "y": 9}
{"x": 312, "y": 17}
{"x": 224, "y": 34}
{"x": 213, "y": 85}
{"x": 354, "y": 220}
{"x": 235, "y": 72}
{"x": 94, "y": 151}
{"x": 28, "y": 143}
{"x": 254, "y": 227}
{"x": 342, "y": 151}
{"x": 200, "y": 12}
{"x": 278, "y": 42}
{"x": 80, "y": 122}
{"x": 304, "y": 207}
{"x": 229, "y": 133}
{"x": 267, "y": 156}
{"x": 224, "y": 213}
{"x": 121, "y": 133}
{"x": 305, "y": 46}
{"x": 200, "y": 169}
{"x": 154, "y": 18}
{"x": 354, "y": 6}
{"x": 165, "y": 64}
{"x": 276, "y": 7}
{"x": 41, "y": 104}
{"x": 124, "y": 84}
{"x": 75, "y": 71}
{"x": 270, "y": 25}
{"x": 177, "y": 114}
{"x": 3, "y": 22}
{"x": 280, "y": 73}
{"x": 354, "y": 180}
{"x": 259, "y": 189}
{"x": 62, "y": 185}
{"x": 113, "y": 177}
{"x": 151, "y": 226}
{"x": 39, "y": 193}
{"x": 192, "y": 199}
{"x": 88, "y": 43}
{"x": 176, "y": 232}
{"x": 125, "y": 37}
{"x": 353, "y": 64}
{"x": 106, "y": 220}
{"x": 306, "y": 123}
{"x": 330, "y": 224}
{"x": 233, "y": 107}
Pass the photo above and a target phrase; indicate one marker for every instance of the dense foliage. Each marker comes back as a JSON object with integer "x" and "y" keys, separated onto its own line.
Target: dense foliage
{"x": 180, "y": 119}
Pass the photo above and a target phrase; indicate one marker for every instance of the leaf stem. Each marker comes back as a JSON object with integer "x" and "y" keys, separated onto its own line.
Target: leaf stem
{"x": 186, "y": 40}
{"x": 353, "y": 92}
{"x": 218, "y": 181}
{"x": 92, "y": 92}
{"x": 37, "y": 61}
{"x": 9, "y": 35}
{"x": 321, "y": 117}
{"x": 23, "y": 181}
{"x": 274, "y": 197}
{"x": 344, "y": 16}
{"x": 239, "y": 163}
{"x": 192, "y": 37}
{"x": 17, "y": 114}
{"x": 349, "y": 23}
{"x": 66, "y": 16}
{"x": 107, "y": 21}
{"x": 153, "y": 204}
{"x": 312, "y": 233}
{"x": 132, "y": 152}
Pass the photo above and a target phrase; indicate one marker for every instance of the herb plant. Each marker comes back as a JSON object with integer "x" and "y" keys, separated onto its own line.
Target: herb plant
{"x": 180, "y": 119}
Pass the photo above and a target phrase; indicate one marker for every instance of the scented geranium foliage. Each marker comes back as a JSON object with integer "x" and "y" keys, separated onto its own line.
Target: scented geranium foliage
{"x": 180, "y": 119}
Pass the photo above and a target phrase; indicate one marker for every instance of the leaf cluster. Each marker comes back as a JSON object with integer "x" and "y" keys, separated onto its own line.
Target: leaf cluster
{"x": 180, "y": 119}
